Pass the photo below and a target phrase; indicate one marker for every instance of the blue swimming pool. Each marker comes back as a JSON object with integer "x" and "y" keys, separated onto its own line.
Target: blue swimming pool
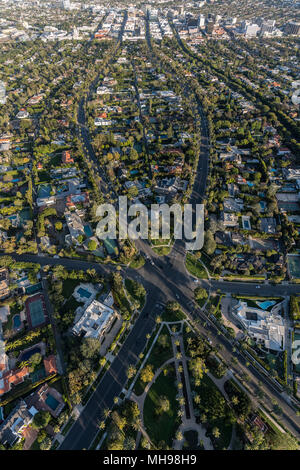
{"x": 52, "y": 402}
{"x": 84, "y": 293}
{"x": 88, "y": 231}
{"x": 266, "y": 304}
{"x": 17, "y": 322}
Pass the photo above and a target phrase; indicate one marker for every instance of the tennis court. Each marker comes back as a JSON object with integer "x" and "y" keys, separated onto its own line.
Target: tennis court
{"x": 35, "y": 311}
{"x": 294, "y": 265}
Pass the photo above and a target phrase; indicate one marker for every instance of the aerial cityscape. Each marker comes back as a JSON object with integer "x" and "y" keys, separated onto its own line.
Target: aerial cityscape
{"x": 149, "y": 226}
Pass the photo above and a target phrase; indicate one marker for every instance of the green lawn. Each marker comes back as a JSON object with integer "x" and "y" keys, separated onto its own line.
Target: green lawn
{"x": 137, "y": 262}
{"x": 195, "y": 267}
{"x": 162, "y": 427}
{"x": 191, "y": 441}
{"x": 157, "y": 357}
{"x": 69, "y": 287}
{"x": 172, "y": 316}
{"x": 71, "y": 305}
{"x": 162, "y": 250}
{"x": 158, "y": 354}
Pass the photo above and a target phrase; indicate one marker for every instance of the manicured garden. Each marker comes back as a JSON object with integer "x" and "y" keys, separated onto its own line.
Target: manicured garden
{"x": 162, "y": 427}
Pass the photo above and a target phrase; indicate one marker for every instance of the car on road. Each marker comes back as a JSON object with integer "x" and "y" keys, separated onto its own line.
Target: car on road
{"x": 257, "y": 287}
{"x": 196, "y": 280}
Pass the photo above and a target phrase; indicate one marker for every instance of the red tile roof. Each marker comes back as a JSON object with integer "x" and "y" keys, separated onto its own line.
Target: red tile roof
{"x": 13, "y": 376}
{"x": 50, "y": 365}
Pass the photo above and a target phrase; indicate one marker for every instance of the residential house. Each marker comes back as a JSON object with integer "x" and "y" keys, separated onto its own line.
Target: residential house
{"x": 229, "y": 219}
{"x": 75, "y": 226}
{"x": 46, "y": 399}
{"x": 12, "y": 377}
{"x": 266, "y": 328}
{"x": 11, "y": 430}
{"x": 95, "y": 321}
{"x": 4, "y": 283}
{"x": 66, "y": 157}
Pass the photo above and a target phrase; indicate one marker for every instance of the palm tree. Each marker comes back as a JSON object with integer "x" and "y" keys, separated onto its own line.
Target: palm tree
{"x": 197, "y": 399}
{"x": 101, "y": 425}
{"x": 131, "y": 371}
{"x": 235, "y": 400}
{"x": 163, "y": 405}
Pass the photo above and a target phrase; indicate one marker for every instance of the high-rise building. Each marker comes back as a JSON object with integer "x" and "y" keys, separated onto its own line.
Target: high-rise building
{"x": 267, "y": 27}
{"x": 250, "y": 29}
{"x": 66, "y": 4}
{"x": 210, "y": 26}
{"x": 2, "y": 93}
{"x": 292, "y": 27}
{"x": 201, "y": 21}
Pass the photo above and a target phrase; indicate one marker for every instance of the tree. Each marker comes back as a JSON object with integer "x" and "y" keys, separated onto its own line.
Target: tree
{"x": 58, "y": 225}
{"x": 216, "y": 432}
{"x": 147, "y": 373}
{"x": 90, "y": 347}
{"x": 131, "y": 371}
{"x": 163, "y": 341}
{"x": 45, "y": 444}
{"x": 132, "y": 192}
{"x": 209, "y": 243}
{"x": 36, "y": 359}
{"x": 119, "y": 421}
{"x": 163, "y": 405}
{"x": 41, "y": 419}
{"x": 173, "y": 306}
{"x": 92, "y": 245}
{"x": 129, "y": 443}
{"x": 198, "y": 368}
{"x": 200, "y": 293}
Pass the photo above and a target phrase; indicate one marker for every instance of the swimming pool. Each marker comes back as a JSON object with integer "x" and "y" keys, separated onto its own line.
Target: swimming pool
{"x": 44, "y": 191}
{"x": 52, "y": 402}
{"x": 33, "y": 288}
{"x": 266, "y": 304}
{"x": 27, "y": 354}
{"x": 84, "y": 293}
{"x": 17, "y": 322}
{"x": 88, "y": 231}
